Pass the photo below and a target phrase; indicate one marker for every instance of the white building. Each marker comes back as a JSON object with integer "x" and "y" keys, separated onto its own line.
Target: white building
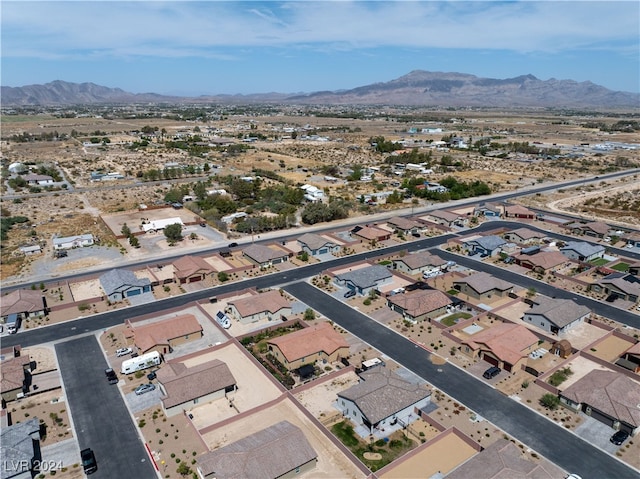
{"x": 160, "y": 225}
{"x": 312, "y": 193}
{"x": 69, "y": 242}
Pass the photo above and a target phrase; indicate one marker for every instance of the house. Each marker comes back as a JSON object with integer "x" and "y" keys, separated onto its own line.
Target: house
{"x": 504, "y": 345}
{"x": 70, "y": 242}
{"x": 488, "y": 210}
{"x": 26, "y": 303}
{"x": 524, "y": 236}
{"x": 30, "y": 249}
{"x": 119, "y": 284}
{"x": 16, "y": 374}
{"x": 483, "y": 286}
{"x": 504, "y": 459}
{"x": 20, "y": 449}
{"x": 382, "y": 402}
{"x": 609, "y": 397}
{"x": 190, "y": 269}
{"x": 279, "y": 451}
{"x": 619, "y": 285}
{"x": 582, "y": 251}
{"x": 632, "y": 238}
{"x": 404, "y": 226}
{"x": 634, "y": 268}
{"x": 160, "y": 225}
{"x": 40, "y": 180}
{"x": 363, "y": 280}
{"x": 443, "y": 217}
{"x": 306, "y": 346}
{"x": 183, "y": 387}
{"x": 312, "y": 193}
{"x": 595, "y": 229}
{"x": 163, "y": 336}
{"x": 420, "y": 304}
{"x": 555, "y": 316}
{"x": 631, "y": 358}
{"x": 315, "y": 244}
{"x": 541, "y": 262}
{"x": 518, "y": 211}
{"x": 484, "y": 245}
{"x": 417, "y": 263}
{"x": 264, "y": 256}
{"x": 270, "y": 305}
{"x": 371, "y": 233}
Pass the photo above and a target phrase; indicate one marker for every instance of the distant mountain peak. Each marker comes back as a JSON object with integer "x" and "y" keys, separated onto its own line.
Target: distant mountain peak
{"x": 416, "y": 88}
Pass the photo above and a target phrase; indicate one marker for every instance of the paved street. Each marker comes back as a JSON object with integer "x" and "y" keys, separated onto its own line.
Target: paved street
{"x": 555, "y": 443}
{"x": 100, "y": 417}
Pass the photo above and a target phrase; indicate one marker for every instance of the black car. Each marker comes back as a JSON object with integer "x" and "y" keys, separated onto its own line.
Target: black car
{"x": 619, "y": 437}
{"x": 112, "y": 377}
{"x": 491, "y": 373}
{"x": 232, "y": 245}
{"x": 89, "y": 463}
{"x": 350, "y": 293}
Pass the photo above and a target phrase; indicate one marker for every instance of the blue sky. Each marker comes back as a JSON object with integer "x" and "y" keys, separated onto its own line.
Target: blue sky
{"x": 212, "y": 47}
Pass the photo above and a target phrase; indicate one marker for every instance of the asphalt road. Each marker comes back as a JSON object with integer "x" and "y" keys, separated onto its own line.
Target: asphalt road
{"x": 555, "y": 443}
{"x": 100, "y": 418}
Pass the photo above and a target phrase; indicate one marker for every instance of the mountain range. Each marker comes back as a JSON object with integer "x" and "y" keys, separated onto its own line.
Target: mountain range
{"x": 417, "y": 88}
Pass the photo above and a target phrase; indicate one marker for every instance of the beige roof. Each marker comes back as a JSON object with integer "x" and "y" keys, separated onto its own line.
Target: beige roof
{"x": 187, "y": 266}
{"x": 21, "y": 301}
{"x": 309, "y": 341}
{"x": 12, "y": 372}
{"x": 560, "y": 312}
{"x": 483, "y": 282}
{"x": 184, "y": 384}
{"x": 147, "y": 336}
{"x": 543, "y": 259}
{"x": 382, "y": 393}
{"x": 518, "y": 210}
{"x": 597, "y": 227}
{"x": 420, "y": 301}
{"x": 609, "y": 392}
{"x": 445, "y": 215}
{"x": 418, "y": 260}
{"x": 267, "y": 454}
{"x": 263, "y": 254}
{"x": 504, "y": 460}
{"x": 314, "y": 241}
{"x": 271, "y": 301}
{"x": 507, "y": 341}
{"x": 526, "y": 233}
{"x": 372, "y": 233}
{"x": 403, "y": 223}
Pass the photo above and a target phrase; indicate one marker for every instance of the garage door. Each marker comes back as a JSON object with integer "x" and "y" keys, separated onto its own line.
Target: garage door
{"x": 134, "y": 292}
{"x": 490, "y": 359}
{"x": 193, "y": 279}
{"x": 277, "y": 261}
{"x": 323, "y": 251}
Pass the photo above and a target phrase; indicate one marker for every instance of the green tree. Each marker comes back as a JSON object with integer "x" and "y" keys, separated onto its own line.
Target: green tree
{"x": 309, "y": 314}
{"x": 125, "y": 230}
{"x": 550, "y": 401}
{"x": 173, "y": 232}
{"x": 222, "y": 276}
{"x": 133, "y": 241}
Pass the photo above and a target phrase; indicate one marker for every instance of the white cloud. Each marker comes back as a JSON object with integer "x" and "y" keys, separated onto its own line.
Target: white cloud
{"x": 182, "y": 28}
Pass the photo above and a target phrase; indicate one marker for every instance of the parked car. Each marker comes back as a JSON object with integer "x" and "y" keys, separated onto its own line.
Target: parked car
{"x": 203, "y": 224}
{"x": 112, "y": 377}
{"x": 350, "y": 294}
{"x": 415, "y": 234}
{"x": 233, "y": 245}
{"x": 89, "y": 463}
{"x": 145, "y": 388}
{"x": 619, "y": 437}
{"x": 151, "y": 376}
{"x": 492, "y": 372}
{"x": 123, "y": 351}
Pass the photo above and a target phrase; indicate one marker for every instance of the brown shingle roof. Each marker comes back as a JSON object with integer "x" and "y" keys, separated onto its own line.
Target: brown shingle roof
{"x": 382, "y": 393}
{"x": 506, "y": 341}
{"x": 526, "y": 233}
{"x": 483, "y": 282}
{"x": 262, "y": 254}
{"x": 21, "y": 301}
{"x": 309, "y": 341}
{"x": 12, "y": 372}
{"x": 372, "y": 233}
{"x": 271, "y": 301}
{"x": 418, "y": 260}
{"x": 560, "y": 312}
{"x": 184, "y": 384}
{"x": 314, "y": 241}
{"x": 403, "y": 223}
{"x": 517, "y": 210}
{"x": 187, "y": 266}
{"x": 420, "y": 301}
{"x": 543, "y": 259}
{"x": 147, "y": 336}
{"x": 609, "y": 392}
{"x": 267, "y": 454}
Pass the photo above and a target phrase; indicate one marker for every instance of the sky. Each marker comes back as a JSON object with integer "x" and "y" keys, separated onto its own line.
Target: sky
{"x": 242, "y": 47}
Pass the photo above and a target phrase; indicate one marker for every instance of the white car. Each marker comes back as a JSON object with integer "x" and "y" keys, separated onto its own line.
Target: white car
{"x": 123, "y": 351}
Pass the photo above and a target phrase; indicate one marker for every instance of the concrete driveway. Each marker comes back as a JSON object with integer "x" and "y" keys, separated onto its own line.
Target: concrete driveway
{"x": 144, "y": 401}
{"x": 597, "y": 433}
